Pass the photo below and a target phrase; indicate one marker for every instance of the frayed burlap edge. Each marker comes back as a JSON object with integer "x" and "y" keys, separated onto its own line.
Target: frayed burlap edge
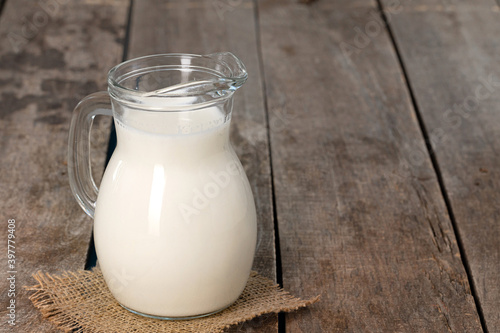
{"x": 81, "y": 302}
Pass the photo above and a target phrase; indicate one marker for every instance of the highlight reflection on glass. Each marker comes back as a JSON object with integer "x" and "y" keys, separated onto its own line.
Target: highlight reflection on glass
{"x": 156, "y": 199}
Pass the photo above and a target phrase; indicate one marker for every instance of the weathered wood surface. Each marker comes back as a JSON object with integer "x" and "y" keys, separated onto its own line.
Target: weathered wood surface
{"x": 361, "y": 217}
{"x": 359, "y": 221}
{"x": 50, "y": 57}
{"x": 451, "y": 54}
{"x": 204, "y": 27}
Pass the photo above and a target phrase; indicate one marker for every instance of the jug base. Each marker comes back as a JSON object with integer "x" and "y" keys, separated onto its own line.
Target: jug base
{"x": 173, "y": 318}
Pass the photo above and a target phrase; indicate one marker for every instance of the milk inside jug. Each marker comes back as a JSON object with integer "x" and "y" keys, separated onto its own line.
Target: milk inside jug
{"x": 174, "y": 217}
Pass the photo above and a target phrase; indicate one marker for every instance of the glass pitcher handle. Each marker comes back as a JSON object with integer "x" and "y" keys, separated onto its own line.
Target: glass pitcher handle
{"x": 79, "y": 167}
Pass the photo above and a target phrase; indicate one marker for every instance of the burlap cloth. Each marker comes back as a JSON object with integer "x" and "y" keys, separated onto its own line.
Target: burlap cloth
{"x": 81, "y": 302}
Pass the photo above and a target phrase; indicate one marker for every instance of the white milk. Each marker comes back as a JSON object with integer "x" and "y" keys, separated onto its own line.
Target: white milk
{"x": 175, "y": 224}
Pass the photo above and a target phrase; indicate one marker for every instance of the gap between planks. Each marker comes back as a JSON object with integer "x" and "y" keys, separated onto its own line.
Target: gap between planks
{"x": 277, "y": 248}
{"x": 435, "y": 165}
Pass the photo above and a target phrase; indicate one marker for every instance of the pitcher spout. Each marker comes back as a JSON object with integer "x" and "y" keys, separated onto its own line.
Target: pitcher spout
{"x": 233, "y": 69}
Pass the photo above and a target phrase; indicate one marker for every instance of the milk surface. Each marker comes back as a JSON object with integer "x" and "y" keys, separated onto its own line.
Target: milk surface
{"x": 175, "y": 223}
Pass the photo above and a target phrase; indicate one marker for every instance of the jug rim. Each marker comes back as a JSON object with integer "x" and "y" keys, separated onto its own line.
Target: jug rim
{"x": 222, "y": 73}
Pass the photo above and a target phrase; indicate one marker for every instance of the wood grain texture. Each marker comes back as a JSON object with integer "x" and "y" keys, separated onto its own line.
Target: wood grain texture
{"x": 50, "y": 57}
{"x": 361, "y": 217}
{"x": 452, "y": 64}
{"x": 204, "y": 27}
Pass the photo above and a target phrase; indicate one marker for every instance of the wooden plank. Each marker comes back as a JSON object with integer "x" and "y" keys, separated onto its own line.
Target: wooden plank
{"x": 52, "y": 54}
{"x": 204, "y": 27}
{"x": 359, "y": 222}
{"x": 451, "y": 55}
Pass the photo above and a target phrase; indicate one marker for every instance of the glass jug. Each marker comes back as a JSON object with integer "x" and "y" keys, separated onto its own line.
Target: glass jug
{"x": 174, "y": 217}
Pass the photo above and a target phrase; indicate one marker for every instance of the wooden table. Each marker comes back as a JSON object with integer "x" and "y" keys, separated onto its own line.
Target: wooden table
{"x": 370, "y": 131}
